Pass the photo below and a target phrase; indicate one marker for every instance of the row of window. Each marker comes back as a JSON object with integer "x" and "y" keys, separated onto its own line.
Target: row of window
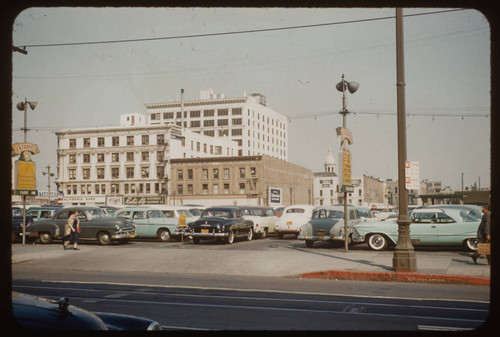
{"x": 130, "y": 172}
{"x": 215, "y": 173}
{"x": 115, "y": 141}
{"x": 115, "y": 157}
{"x": 127, "y": 188}
{"x": 207, "y": 189}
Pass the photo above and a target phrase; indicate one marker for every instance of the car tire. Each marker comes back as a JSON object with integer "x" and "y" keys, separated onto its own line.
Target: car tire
{"x": 280, "y": 235}
{"x": 104, "y": 238}
{"x": 250, "y": 235}
{"x": 471, "y": 244}
{"x": 45, "y": 237}
{"x": 377, "y": 242}
{"x": 196, "y": 240}
{"x": 164, "y": 235}
{"x": 309, "y": 243}
{"x": 230, "y": 238}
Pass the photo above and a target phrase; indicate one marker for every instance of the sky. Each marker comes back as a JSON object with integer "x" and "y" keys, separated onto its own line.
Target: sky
{"x": 82, "y": 74}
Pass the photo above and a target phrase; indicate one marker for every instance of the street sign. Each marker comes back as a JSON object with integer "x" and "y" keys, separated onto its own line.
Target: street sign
{"x": 346, "y": 168}
{"x": 412, "y": 175}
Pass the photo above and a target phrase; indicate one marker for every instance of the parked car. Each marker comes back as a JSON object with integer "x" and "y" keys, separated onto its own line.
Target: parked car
{"x": 444, "y": 226}
{"x": 225, "y": 222}
{"x": 264, "y": 219}
{"x": 38, "y": 313}
{"x": 327, "y": 224}
{"x": 279, "y": 210}
{"x": 94, "y": 224}
{"x": 150, "y": 223}
{"x": 175, "y": 211}
{"x": 17, "y": 223}
{"x": 366, "y": 214}
{"x": 292, "y": 218}
{"x": 43, "y": 212}
{"x": 195, "y": 209}
{"x": 109, "y": 210}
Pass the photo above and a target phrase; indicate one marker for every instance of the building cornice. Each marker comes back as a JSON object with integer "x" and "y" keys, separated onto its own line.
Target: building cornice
{"x": 177, "y": 104}
{"x": 107, "y": 130}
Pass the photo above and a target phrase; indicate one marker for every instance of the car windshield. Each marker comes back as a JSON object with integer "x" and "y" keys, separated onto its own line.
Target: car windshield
{"x": 219, "y": 213}
{"x": 323, "y": 213}
{"x": 365, "y": 213}
{"x": 295, "y": 210}
{"x": 471, "y": 215}
{"x": 94, "y": 213}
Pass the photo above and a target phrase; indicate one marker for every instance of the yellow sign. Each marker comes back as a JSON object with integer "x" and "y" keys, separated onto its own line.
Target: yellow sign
{"x": 182, "y": 220}
{"x": 26, "y": 175}
{"x": 346, "y": 168}
{"x": 19, "y": 148}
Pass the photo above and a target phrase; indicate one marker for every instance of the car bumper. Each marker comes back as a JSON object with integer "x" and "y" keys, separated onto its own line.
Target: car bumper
{"x": 356, "y": 237}
{"x": 209, "y": 235}
{"x": 123, "y": 235}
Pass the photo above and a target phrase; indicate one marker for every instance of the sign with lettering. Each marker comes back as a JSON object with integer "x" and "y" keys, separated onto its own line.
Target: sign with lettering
{"x": 412, "y": 175}
{"x": 275, "y": 195}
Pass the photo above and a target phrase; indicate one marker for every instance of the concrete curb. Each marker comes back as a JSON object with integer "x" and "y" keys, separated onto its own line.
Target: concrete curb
{"x": 398, "y": 277}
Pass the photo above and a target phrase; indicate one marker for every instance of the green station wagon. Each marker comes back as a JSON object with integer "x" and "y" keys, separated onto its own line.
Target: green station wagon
{"x": 150, "y": 223}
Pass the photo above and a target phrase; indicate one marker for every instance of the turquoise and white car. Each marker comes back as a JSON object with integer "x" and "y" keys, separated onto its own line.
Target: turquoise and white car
{"x": 430, "y": 226}
{"x": 150, "y": 223}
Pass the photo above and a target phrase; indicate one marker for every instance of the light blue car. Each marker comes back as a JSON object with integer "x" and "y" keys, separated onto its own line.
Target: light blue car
{"x": 430, "y": 226}
{"x": 150, "y": 223}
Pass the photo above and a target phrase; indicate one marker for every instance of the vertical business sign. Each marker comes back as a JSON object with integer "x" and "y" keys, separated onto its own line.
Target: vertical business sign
{"x": 25, "y": 168}
{"x": 412, "y": 175}
{"x": 275, "y": 196}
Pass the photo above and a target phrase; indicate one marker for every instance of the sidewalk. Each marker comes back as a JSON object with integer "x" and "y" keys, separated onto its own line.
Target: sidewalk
{"x": 455, "y": 267}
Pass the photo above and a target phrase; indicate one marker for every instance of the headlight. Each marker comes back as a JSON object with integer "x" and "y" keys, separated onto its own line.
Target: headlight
{"x": 117, "y": 227}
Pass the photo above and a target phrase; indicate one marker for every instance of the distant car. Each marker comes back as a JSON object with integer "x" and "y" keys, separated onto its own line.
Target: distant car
{"x": 150, "y": 223}
{"x": 292, "y": 218}
{"x": 264, "y": 219}
{"x": 94, "y": 224}
{"x": 279, "y": 211}
{"x": 195, "y": 209}
{"x": 221, "y": 223}
{"x": 366, "y": 214}
{"x": 17, "y": 223}
{"x": 109, "y": 210}
{"x": 443, "y": 226}
{"x": 38, "y": 313}
{"x": 327, "y": 224}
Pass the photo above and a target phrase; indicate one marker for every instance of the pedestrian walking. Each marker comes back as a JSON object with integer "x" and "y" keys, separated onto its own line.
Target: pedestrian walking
{"x": 483, "y": 231}
{"x": 72, "y": 231}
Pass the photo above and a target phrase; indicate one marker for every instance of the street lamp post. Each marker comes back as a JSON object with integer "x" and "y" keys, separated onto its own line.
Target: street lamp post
{"x": 23, "y": 106}
{"x": 404, "y": 255}
{"x": 48, "y": 176}
{"x": 346, "y": 139}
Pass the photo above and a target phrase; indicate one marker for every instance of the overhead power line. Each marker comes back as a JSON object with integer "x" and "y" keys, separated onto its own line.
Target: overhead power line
{"x": 233, "y": 33}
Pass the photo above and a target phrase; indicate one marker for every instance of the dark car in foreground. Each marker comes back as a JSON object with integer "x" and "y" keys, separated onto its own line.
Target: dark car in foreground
{"x": 38, "y": 313}
{"x": 17, "y": 224}
{"x": 220, "y": 223}
{"x": 94, "y": 224}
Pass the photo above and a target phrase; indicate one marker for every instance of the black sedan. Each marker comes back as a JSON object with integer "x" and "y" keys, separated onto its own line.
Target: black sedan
{"x": 17, "y": 223}
{"x": 94, "y": 224}
{"x": 221, "y": 223}
{"x": 38, "y": 313}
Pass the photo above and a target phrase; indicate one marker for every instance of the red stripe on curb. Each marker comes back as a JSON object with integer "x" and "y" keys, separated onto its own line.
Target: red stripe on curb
{"x": 398, "y": 277}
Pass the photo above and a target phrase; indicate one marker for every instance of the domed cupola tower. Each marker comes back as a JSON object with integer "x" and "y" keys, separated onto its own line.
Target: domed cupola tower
{"x": 329, "y": 161}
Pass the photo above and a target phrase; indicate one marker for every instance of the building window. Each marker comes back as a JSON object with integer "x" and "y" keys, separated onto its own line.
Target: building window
{"x": 145, "y": 139}
{"x": 226, "y": 188}
{"x": 198, "y": 146}
{"x": 195, "y": 124}
{"x": 103, "y": 188}
{"x": 237, "y": 121}
{"x": 226, "y": 173}
{"x": 100, "y": 141}
{"x": 86, "y": 158}
{"x": 253, "y": 171}
{"x": 222, "y": 122}
{"x": 115, "y": 141}
{"x": 148, "y": 188}
{"x": 145, "y": 155}
{"x": 210, "y": 133}
{"x": 72, "y": 143}
{"x": 160, "y": 155}
{"x": 180, "y": 174}
{"x": 86, "y": 142}
{"x": 72, "y": 174}
{"x": 204, "y": 174}
{"x": 196, "y": 113}
{"x": 209, "y": 122}
{"x": 72, "y": 158}
{"x": 236, "y": 111}
{"x": 160, "y": 139}
{"x": 216, "y": 173}
{"x": 82, "y": 189}
{"x": 208, "y": 113}
{"x": 125, "y": 188}
{"x": 205, "y": 189}
{"x": 242, "y": 173}
{"x": 100, "y": 157}
{"x": 168, "y": 115}
{"x": 130, "y": 140}
{"x": 190, "y": 189}
{"x": 179, "y": 189}
{"x": 218, "y": 150}
{"x": 145, "y": 172}
{"x": 130, "y": 172}
{"x": 190, "y": 174}
{"x": 130, "y": 156}
{"x": 160, "y": 172}
{"x": 222, "y": 112}
{"x": 68, "y": 189}
{"x": 242, "y": 188}
{"x": 216, "y": 188}
{"x": 115, "y": 172}
{"x": 75, "y": 188}
{"x": 100, "y": 173}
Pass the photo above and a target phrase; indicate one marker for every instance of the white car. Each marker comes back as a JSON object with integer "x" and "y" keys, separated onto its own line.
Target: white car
{"x": 264, "y": 219}
{"x": 176, "y": 211}
{"x": 292, "y": 218}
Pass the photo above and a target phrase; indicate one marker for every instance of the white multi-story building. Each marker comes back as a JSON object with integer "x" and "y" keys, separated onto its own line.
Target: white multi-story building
{"x": 247, "y": 120}
{"x": 325, "y": 183}
{"x": 128, "y": 164}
